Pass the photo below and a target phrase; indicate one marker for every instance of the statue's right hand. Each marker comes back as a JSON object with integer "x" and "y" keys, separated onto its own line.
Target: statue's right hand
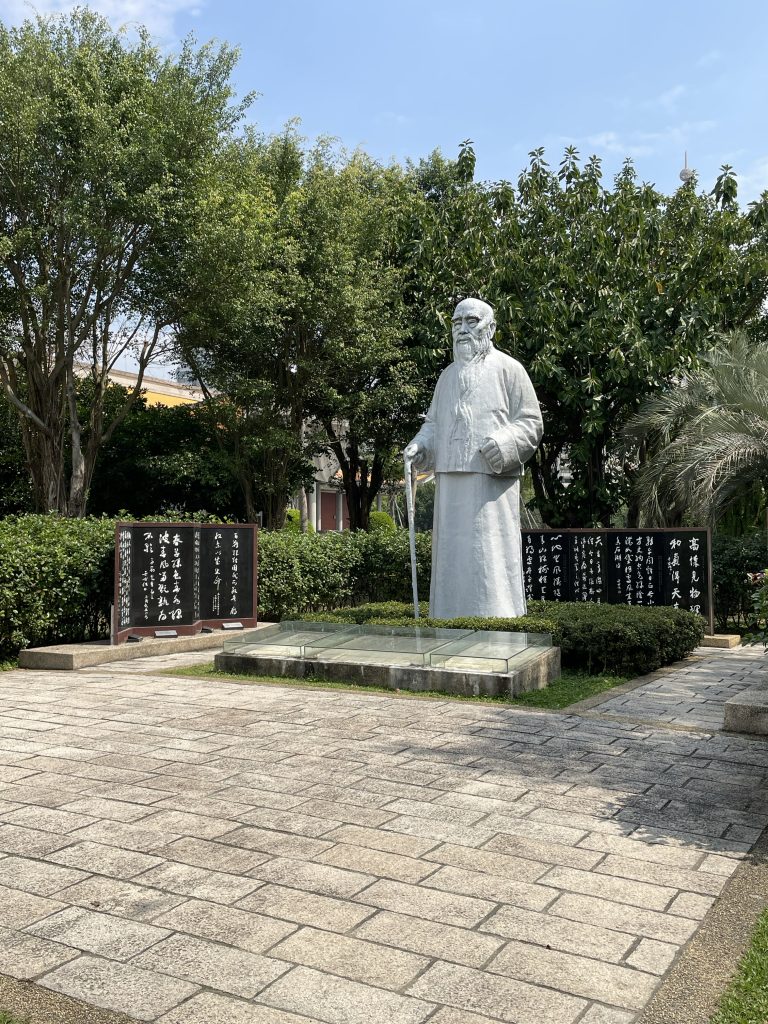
{"x": 414, "y": 453}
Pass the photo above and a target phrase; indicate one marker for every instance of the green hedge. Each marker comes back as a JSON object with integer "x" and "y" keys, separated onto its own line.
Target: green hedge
{"x": 56, "y": 580}
{"x": 599, "y": 639}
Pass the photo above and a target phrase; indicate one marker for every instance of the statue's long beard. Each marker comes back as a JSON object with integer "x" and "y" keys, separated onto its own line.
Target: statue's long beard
{"x": 469, "y": 379}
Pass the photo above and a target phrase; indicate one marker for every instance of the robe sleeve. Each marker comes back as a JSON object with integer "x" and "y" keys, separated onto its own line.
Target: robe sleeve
{"x": 426, "y": 435}
{"x": 520, "y": 437}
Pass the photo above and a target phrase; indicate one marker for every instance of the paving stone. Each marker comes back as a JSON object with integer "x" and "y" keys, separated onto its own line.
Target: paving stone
{"x": 112, "y": 937}
{"x": 653, "y": 853}
{"x": 487, "y": 861}
{"x": 114, "y": 810}
{"x": 660, "y": 874}
{"x": 305, "y": 908}
{"x": 430, "y": 938}
{"x": 655, "y": 957}
{"x": 607, "y": 1015}
{"x": 211, "y": 1008}
{"x": 320, "y": 878}
{"x": 278, "y": 844}
{"x": 47, "y": 819}
{"x": 580, "y": 975}
{"x": 121, "y": 898}
{"x": 183, "y": 823}
{"x": 335, "y": 811}
{"x": 124, "y": 834}
{"x": 249, "y": 931}
{"x": 639, "y": 894}
{"x": 217, "y": 886}
{"x": 29, "y": 841}
{"x": 104, "y": 860}
{"x": 215, "y": 856}
{"x": 567, "y": 936}
{"x": 122, "y": 987}
{"x": 503, "y": 998}
{"x": 213, "y": 964}
{"x": 290, "y": 821}
{"x": 718, "y": 865}
{"x": 450, "y": 1015}
{"x": 491, "y": 887}
{"x": 431, "y": 904}
{"x": 387, "y": 842}
{"x": 623, "y": 918}
{"x": 689, "y": 904}
{"x": 26, "y": 956}
{"x": 18, "y": 909}
{"x": 340, "y": 1001}
{"x": 351, "y": 958}
{"x": 541, "y": 852}
{"x": 35, "y": 876}
{"x": 376, "y": 862}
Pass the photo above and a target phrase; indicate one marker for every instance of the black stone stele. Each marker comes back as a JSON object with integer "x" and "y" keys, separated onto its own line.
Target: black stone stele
{"x": 175, "y": 579}
{"x": 671, "y": 567}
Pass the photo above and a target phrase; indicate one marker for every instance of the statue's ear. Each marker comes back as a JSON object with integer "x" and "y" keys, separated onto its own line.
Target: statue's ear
{"x": 492, "y": 328}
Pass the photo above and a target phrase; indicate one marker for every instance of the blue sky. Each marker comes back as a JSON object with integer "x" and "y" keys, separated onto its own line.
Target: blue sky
{"x": 647, "y": 80}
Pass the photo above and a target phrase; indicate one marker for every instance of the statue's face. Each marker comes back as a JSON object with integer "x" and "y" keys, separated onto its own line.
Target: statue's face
{"x": 472, "y": 327}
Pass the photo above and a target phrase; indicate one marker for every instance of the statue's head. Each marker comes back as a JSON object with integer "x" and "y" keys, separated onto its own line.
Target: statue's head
{"x": 473, "y": 328}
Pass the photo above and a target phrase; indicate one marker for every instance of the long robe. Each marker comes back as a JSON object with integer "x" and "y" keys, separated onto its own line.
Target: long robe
{"x": 476, "y": 545}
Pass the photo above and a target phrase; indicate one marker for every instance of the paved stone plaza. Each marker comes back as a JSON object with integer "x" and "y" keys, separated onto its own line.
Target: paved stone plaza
{"x": 213, "y": 853}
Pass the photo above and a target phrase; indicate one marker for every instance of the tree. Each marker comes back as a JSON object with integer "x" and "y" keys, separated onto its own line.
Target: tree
{"x": 605, "y": 294}
{"x": 103, "y": 144}
{"x": 290, "y": 309}
{"x": 709, "y": 433}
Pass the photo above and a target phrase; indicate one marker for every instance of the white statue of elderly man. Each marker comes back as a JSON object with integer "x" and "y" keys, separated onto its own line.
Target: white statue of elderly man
{"x": 483, "y": 425}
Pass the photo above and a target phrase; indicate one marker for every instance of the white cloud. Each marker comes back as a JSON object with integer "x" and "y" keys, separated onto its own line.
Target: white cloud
{"x": 637, "y": 143}
{"x": 157, "y": 15}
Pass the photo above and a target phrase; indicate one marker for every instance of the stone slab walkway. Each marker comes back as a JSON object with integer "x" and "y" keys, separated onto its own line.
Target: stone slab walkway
{"x": 192, "y": 852}
{"x": 693, "y": 695}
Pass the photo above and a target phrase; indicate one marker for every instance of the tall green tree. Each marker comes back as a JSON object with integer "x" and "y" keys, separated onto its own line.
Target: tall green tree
{"x": 290, "y": 310}
{"x": 605, "y": 292}
{"x": 104, "y": 143}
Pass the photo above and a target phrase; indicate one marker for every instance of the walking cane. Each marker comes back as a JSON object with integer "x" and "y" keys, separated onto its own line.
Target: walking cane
{"x": 410, "y": 499}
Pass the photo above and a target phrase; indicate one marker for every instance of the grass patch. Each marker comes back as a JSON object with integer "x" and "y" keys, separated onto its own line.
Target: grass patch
{"x": 7, "y": 666}
{"x": 6, "y": 1018}
{"x": 746, "y": 998}
{"x": 570, "y": 688}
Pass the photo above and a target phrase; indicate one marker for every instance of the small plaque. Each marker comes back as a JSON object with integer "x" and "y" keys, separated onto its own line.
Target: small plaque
{"x": 232, "y": 625}
{"x": 164, "y": 634}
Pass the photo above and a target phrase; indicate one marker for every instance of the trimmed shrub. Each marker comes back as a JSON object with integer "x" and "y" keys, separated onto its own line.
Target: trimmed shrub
{"x": 595, "y": 638}
{"x": 620, "y": 639}
{"x": 56, "y": 580}
{"x": 381, "y": 522}
{"x": 293, "y": 522}
{"x": 305, "y": 572}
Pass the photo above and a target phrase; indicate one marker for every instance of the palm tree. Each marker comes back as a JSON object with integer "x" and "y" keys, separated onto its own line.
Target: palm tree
{"x": 707, "y": 435}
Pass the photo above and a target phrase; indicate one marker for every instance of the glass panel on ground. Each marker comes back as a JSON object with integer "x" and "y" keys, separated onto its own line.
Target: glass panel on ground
{"x": 490, "y": 651}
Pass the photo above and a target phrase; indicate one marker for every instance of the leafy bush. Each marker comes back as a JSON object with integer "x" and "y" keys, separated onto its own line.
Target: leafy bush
{"x": 385, "y": 569}
{"x": 293, "y": 522}
{"x": 732, "y": 559}
{"x": 381, "y": 522}
{"x": 305, "y": 572}
{"x": 620, "y": 639}
{"x": 55, "y": 580}
{"x": 596, "y": 638}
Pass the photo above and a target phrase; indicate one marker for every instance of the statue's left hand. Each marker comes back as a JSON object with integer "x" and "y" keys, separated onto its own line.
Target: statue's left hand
{"x": 491, "y": 452}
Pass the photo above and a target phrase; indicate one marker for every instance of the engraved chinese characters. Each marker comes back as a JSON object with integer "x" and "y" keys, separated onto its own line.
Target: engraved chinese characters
{"x": 183, "y": 576}
{"x": 640, "y": 567}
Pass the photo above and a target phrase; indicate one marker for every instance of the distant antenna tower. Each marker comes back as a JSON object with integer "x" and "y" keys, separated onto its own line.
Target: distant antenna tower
{"x": 687, "y": 173}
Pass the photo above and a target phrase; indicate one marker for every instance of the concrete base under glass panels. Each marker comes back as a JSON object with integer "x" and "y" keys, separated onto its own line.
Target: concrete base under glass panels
{"x": 460, "y": 661}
